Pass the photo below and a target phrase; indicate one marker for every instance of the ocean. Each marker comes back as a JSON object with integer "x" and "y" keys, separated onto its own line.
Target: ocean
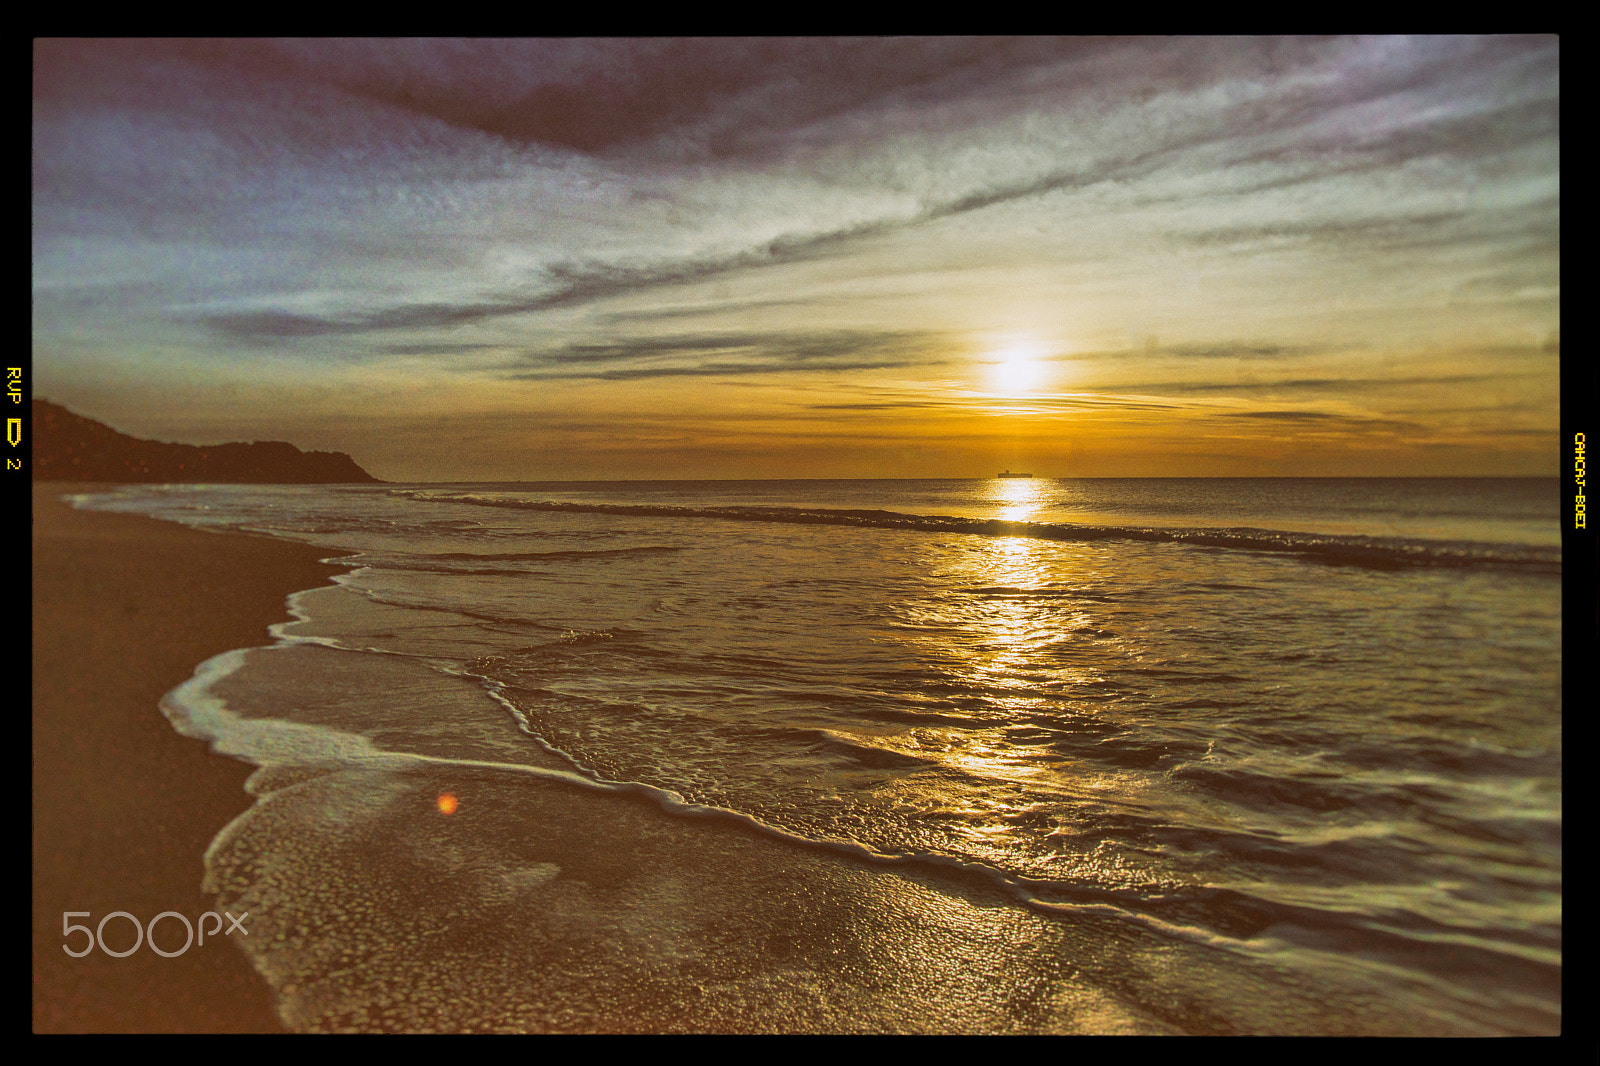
{"x": 1266, "y": 756}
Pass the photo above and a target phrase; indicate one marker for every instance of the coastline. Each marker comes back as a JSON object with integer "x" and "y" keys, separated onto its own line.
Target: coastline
{"x": 124, "y": 608}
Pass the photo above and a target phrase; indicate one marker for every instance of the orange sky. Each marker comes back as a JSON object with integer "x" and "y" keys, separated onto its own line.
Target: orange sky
{"x": 815, "y": 258}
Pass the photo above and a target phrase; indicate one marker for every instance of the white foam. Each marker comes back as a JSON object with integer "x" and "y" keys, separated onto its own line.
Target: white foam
{"x": 195, "y": 711}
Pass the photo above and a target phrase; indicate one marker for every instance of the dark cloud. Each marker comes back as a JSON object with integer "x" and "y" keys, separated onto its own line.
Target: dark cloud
{"x": 352, "y": 108}
{"x": 1238, "y": 350}
{"x": 1330, "y": 385}
{"x": 706, "y": 97}
{"x": 1285, "y": 416}
{"x": 438, "y": 349}
{"x": 1416, "y": 230}
{"x": 1433, "y": 227}
{"x": 567, "y": 284}
{"x": 880, "y": 405}
{"x": 272, "y": 325}
{"x": 1447, "y": 104}
{"x": 1018, "y": 405}
{"x": 716, "y": 370}
{"x": 571, "y": 284}
{"x": 708, "y": 310}
{"x": 728, "y": 354}
{"x": 1319, "y": 418}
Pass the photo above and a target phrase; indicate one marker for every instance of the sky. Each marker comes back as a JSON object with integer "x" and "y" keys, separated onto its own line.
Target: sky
{"x": 816, "y": 257}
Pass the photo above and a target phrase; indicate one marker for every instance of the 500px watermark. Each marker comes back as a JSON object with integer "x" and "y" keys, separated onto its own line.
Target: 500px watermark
{"x": 145, "y": 933}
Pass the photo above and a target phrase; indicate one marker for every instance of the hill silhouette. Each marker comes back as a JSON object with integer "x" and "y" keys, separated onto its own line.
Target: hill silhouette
{"x": 69, "y": 447}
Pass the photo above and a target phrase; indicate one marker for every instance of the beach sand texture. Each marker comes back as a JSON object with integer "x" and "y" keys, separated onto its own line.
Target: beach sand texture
{"x": 124, "y": 609}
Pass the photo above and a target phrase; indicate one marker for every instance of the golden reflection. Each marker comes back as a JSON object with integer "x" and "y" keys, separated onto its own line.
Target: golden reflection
{"x": 1013, "y": 547}
{"x": 1013, "y": 642}
{"x": 1015, "y": 625}
{"x": 1018, "y": 499}
{"x": 991, "y": 755}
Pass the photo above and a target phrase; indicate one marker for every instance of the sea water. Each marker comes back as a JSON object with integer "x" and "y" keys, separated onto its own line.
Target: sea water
{"x": 1021, "y": 755}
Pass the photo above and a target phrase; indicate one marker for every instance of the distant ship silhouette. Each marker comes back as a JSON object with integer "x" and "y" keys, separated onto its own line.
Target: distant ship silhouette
{"x": 1007, "y": 473}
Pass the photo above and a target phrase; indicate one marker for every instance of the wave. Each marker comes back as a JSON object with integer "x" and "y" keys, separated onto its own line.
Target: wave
{"x": 466, "y": 563}
{"x": 649, "y": 549}
{"x": 1240, "y": 916}
{"x": 1378, "y": 553}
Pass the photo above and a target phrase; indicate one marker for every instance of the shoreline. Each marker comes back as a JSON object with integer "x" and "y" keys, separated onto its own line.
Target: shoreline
{"x": 124, "y": 608}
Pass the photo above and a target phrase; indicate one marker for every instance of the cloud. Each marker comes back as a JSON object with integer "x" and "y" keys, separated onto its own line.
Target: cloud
{"x": 707, "y": 310}
{"x": 729, "y": 354}
{"x": 952, "y": 127}
{"x": 1319, "y": 418}
{"x": 468, "y": 200}
{"x": 568, "y": 284}
{"x": 881, "y": 405}
{"x": 425, "y": 348}
{"x": 704, "y": 98}
{"x": 1238, "y": 350}
{"x": 1020, "y": 405}
{"x": 1539, "y": 220}
{"x": 716, "y": 98}
{"x": 1327, "y": 385}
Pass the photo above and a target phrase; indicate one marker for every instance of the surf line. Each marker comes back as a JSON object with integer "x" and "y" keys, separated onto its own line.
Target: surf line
{"x": 196, "y": 712}
{"x": 674, "y": 804}
{"x": 1377, "y": 553}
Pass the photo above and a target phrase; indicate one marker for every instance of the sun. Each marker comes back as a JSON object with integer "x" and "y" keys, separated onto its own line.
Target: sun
{"x": 1017, "y": 375}
{"x": 1016, "y": 369}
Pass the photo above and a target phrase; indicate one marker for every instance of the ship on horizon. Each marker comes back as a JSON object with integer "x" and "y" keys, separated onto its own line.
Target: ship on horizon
{"x": 1008, "y": 473}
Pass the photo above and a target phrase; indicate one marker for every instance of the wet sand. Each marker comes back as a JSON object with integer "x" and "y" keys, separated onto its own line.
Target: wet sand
{"x": 124, "y": 609}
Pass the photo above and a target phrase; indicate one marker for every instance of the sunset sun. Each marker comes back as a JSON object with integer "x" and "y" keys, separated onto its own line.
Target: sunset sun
{"x": 1016, "y": 369}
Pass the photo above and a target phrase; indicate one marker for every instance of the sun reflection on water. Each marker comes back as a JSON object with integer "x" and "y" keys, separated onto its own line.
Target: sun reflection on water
{"x": 1019, "y": 499}
{"x": 1028, "y": 656}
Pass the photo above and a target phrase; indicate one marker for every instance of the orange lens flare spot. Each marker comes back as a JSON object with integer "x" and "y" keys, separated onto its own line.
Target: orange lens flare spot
{"x": 448, "y": 803}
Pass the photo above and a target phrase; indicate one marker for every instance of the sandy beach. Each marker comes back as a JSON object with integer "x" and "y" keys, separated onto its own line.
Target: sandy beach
{"x": 124, "y": 609}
